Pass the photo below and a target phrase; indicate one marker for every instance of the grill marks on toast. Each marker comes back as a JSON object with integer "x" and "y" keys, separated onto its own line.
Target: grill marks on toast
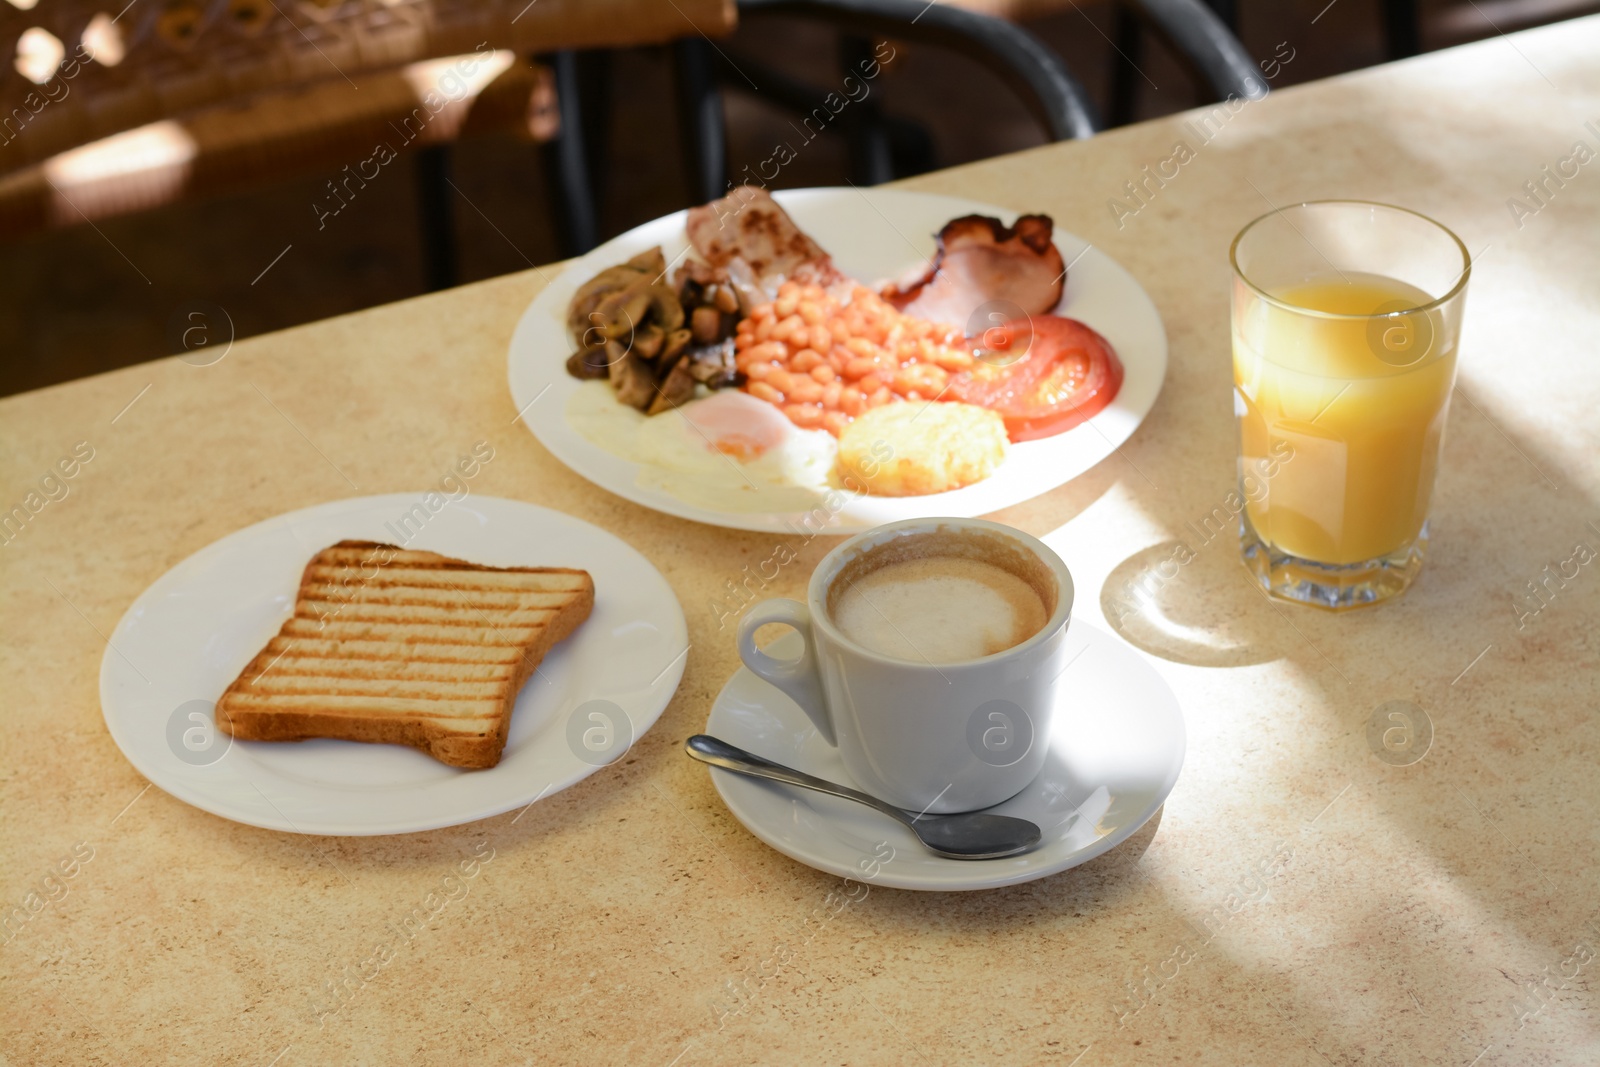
{"x": 396, "y": 645}
{"x": 469, "y": 614}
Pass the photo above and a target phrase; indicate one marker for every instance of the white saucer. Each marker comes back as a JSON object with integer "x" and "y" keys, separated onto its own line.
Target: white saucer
{"x": 188, "y": 635}
{"x": 1116, "y": 747}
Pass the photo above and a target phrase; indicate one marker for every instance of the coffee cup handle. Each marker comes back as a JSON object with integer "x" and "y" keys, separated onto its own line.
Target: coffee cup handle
{"x": 798, "y": 677}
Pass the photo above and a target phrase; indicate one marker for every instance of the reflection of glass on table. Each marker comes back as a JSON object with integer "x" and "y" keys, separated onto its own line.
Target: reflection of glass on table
{"x": 1346, "y": 316}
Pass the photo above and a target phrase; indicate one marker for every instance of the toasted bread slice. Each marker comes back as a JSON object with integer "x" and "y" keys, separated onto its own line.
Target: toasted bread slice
{"x": 394, "y": 645}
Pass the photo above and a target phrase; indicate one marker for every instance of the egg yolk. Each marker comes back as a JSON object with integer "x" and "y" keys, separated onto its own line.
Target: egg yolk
{"x": 738, "y": 425}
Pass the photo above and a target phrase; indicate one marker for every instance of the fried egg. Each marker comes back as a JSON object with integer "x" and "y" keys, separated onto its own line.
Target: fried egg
{"x": 727, "y": 451}
{"x": 731, "y": 433}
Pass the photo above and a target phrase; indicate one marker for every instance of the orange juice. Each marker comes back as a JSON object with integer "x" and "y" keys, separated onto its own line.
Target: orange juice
{"x": 1357, "y": 405}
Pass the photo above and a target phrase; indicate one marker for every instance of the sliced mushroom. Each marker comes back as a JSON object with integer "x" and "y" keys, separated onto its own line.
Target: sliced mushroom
{"x": 588, "y": 364}
{"x": 615, "y": 356}
{"x": 593, "y": 291}
{"x": 677, "y": 341}
{"x": 653, "y": 262}
{"x": 725, "y": 299}
{"x": 634, "y": 380}
{"x": 630, "y": 324}
{"x": 615, "y": 353}
{"x": 621, "y": 311}
{"x": 665, "y": 306}
{"x": 648, "y": 341}
{"x": 705, "y": 324}
{"x": 676, "y": 388}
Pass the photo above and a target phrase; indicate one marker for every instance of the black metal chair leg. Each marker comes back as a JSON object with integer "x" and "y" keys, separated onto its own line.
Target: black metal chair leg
{"x": 1401, "y": 30}
{"x": 1227, "y": 11}
{"x": 566, "y": 164}
{"x": 436, "y": 217}
{"x": 594, "y": 102}
{"x": 704, "y": 135}
{"x": 1198, "y": 37}
{"x": 1127, "y": 35}
{"x": 910, "y": 147}
{"x": 871, "y": 158}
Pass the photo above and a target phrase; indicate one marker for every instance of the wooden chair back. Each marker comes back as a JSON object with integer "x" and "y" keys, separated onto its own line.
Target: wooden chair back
{"x": 93, "y": 68}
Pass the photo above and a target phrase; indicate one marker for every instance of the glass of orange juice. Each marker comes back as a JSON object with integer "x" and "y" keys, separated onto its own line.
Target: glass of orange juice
{"x": 1346, "y": 316}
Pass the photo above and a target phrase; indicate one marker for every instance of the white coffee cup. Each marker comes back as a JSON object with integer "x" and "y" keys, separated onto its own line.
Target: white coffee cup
{"x": 934, "y": 737}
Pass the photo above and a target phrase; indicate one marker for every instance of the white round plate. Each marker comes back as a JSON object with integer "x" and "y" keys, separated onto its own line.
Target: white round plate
{"x": 190, "y": 634}
{"x": 1116, "y": 747}
{"x": 872, "y": 234}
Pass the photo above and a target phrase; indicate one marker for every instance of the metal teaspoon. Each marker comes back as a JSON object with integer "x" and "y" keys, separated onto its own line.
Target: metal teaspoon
{"x": 970, "y": 836}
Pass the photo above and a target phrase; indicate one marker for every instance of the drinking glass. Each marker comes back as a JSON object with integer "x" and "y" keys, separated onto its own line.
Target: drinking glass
{"x": 1346, "y": 316}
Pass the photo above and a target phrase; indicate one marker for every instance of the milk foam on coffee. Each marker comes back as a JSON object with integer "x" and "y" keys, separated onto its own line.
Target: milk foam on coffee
{"x": 937, "y": 608}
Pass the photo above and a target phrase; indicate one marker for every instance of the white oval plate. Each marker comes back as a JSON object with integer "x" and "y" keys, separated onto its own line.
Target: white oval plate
{"x": 872, "y": 234}
{"x": 1116, "y": 747}
{"x": 188, "y": 635}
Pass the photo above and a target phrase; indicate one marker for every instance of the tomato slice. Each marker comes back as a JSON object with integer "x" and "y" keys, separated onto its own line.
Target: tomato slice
{"x": 1067, "y": 373}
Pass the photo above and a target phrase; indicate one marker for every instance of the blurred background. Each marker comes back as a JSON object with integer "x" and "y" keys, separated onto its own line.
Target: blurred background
{"x": 237, "y": 184}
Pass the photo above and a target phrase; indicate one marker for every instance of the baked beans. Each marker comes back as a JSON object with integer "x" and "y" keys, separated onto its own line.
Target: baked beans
{"x": 824, "y": 362}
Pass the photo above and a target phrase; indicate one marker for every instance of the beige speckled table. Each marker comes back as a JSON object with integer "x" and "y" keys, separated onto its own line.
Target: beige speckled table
{"x": 1299, "y": 900}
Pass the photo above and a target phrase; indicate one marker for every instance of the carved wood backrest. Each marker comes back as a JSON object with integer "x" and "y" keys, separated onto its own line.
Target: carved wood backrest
{"x": 125, "y": 63}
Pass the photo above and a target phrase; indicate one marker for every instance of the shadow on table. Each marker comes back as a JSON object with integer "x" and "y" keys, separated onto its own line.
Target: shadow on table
{"x": 1144, "y": 602}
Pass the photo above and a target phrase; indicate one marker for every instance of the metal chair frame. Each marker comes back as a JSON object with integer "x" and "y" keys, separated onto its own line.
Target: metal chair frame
{"x": 1199, "y": 32}
{"x": 1038, "y": 75}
